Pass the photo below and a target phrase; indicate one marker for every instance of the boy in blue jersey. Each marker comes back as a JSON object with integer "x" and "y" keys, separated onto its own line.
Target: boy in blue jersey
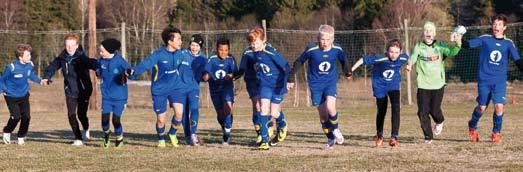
{"x": 247, "y": 65}
{"x": 492, "y": 76}
{"x": 191, "y": 114}
{"x": 219, "y": 72}
{"x": 171, "y": 82}
{"x": 14, "y": 84}
{"x": 322, "y": 57}
{"x": 114, "y": 89}
{"x": 272, "y": 72}
{"x": 386, "y": 80}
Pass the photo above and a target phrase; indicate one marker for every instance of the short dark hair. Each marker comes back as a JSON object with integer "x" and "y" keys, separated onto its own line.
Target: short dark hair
{"x": 168, "y": 33}
{"x": 21, "y": 48}
{"x": 500, "y": 17}
{"x": 394, "y": 43}
{"x": 223, "y": 41}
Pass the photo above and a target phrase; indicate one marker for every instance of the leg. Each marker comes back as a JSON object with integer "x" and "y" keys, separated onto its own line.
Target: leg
{"x": 71, "y": 114}
{"x": 437, "y": 98}
{"x": 83, "y": 105}
{"x": 25, "y": 111}
{"x": 381, "y": 104}
{"x": 14, "y": 114}
{"x": 394, "y": 97}
{"x": 423, "y": 97}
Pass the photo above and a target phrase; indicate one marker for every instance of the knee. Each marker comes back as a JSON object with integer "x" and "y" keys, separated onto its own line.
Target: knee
{"x": 481, "y": 109}
{"x": 499, "y": 109}
{"x": 16, "y": 117}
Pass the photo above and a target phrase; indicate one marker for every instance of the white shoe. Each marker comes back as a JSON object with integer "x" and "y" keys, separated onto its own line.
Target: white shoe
{"x": 330, "y": 144}
{"x": 21, "y": 141}
{"x": 339, "y": 136}
{"x": 194, "y": 140}
{"x": 78, "y": 143}
{"x": 437, "y": 129}
{"x": 7, "y": 138}
{"x": 86, "y": 135}
{"x": 428, "y": 141}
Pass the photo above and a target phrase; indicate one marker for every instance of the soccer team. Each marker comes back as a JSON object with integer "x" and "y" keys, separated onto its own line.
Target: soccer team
{"x": 178, "y": 72}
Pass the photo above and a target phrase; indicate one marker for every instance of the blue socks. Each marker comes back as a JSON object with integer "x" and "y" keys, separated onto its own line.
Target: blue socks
{"x": 498, "y": 122}
{"x": 160, "y": 131}
{"x": 325, "y": 127}
{"x": 228, "y": 121}
{"x": 333, "y": 120}
{"x": 174, "y": 126}
{"x": 476, "y": 115}
{"x": 281, "y": 121}
{"x": 264, "y": 120}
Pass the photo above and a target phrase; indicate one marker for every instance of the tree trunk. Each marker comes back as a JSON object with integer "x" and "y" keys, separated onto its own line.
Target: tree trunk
{"x": 94, "y": 104}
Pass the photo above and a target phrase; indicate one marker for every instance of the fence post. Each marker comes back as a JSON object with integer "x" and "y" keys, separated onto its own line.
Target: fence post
{"x": 409, "y": 83}
{"x": 123, "y": 40}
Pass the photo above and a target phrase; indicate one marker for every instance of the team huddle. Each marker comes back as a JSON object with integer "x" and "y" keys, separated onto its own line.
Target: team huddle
{"x": 178, "y": 72}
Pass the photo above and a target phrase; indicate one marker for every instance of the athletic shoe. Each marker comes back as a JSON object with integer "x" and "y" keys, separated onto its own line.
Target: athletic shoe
{"x": 86, "y": 135}
{"x": 226, "y": 138}
{"x": 21, "y": 141}
{"x": 258, "y": 139}
{"x": 393, "y": 142}
{"x": 330, "y": 144}
{"x": 264, "y": 146}
{"x": 271, "y": 133}
{"x": 378, "y": 141}
{"x": 78, "y": 143}
{"x": 161, "y": 144}
{"x": 428, "y": 141}
{"x": 437, "y": 129}
{"x": 194, "y": 140}
{"x": 174, "y": 140}
{"x": 338, "y": 136}
{"x": 106, "y": 142}
{"x": 473, "y": 135}
{"x": 118, "y": 143}
{"x": 7, "y": 138}
{"x": 496, "y": 138}
{"x": 282, "y": 134}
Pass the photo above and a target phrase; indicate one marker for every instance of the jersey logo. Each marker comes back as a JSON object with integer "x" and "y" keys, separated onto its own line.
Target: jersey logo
{"x": 324, "y": 66}
{"x": 220, "y": 74}
{"x": 165, "y": 62}
{"x": 388, "y": 74}
{"x": 264, "y": 68}
{"x": 19, "y": 75}
{"x": 495, "y": 57}
{"x": 103, "y": 66}
{"x": 498, "y": 44}
{"x": 115, "y": 71}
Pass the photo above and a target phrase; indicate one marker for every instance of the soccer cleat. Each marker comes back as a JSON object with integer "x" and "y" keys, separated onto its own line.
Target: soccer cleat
{"x": 161, "y": 144}
{"x": 21, "y": 141}
{"x": 271, "y": 133}
{"x": 437, "y": 129}
{"x": 393, "y": 142}
{"x": 78, "y": 143}
{"x": 378, "y": 141}
{"x": 118, "y": 143}
{"x": 330, "y": 144}
{"x": 226, "y": 138}
{"x": 86, "y": 135}
{"x": 339, "y": 136}
{"x": 194, "y": 139}
{"x": 282, "y": 134}
{"x": 258, "y": 139}
{"x": 7, "y": 138}
{"x": 428, "y": 141}
{"x": 174, "y": 140}
{"x": 496, "y": 138}
{"x": 473, "y": 135}
{"x": 106, "y": 142}
{"x": 264, "y": 146}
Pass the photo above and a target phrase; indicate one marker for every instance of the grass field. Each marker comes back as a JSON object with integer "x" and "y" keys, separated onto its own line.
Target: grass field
{"x": 48, "y": 149}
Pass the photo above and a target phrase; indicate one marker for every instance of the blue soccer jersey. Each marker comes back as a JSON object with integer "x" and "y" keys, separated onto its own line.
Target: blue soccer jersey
{"x": 110, "y": 71}
{"x": 494, "y": 57}
{"x": 322, "y": 64}
{"x": 198, "y": 66}
{"x": 385, "y": 73}
{"x": 218, "y": 70}
{"x": 14, "y": 80}
{"x": 272, "y": 70}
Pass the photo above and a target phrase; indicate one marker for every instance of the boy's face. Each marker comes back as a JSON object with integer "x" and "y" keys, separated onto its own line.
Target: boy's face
{"x": 393, "y": 52}
{"x": 429, "y": 35}
{"x": 195, "y": 48}
{"x": 223, "y": 51}
{"x": 176, "y": 42}
{"x": 71, "y": 46}
{"x": 326, "y": 41}
{"x": 26, "y": 57}
{"x": 256, "y": 45}
{"x": 498, "y": 28}
{"x": 104, "y": 53}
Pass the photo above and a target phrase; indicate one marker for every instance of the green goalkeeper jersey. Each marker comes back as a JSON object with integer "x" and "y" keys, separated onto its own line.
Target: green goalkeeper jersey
{"x": 429, "y": 61}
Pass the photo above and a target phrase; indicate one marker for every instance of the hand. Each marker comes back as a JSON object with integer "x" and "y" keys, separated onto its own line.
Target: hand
{"x": 408, "y": 68}
{"x": 290, "y": 85}
{"x": 129, "y": 72}
{"x": 44, "y": 82}
{"x": 206, "y": 77}
{"x": 229, "y": 77}
{"x": 122, "y": 79}
{"x": 348, "y": 74}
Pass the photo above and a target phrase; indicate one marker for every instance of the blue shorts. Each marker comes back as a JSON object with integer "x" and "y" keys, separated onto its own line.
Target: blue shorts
{"x": 116, "y": 107}
{"x": 252, "y": 88}
{"x": 275, "y": 95}
{"x": 496, "y": 92}
{"x": 219, "y": 98}
{"x": 319, "y": 92}
{"x": 160, "y": 101}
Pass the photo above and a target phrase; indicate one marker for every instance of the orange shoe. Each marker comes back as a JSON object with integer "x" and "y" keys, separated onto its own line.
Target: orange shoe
{"x": 473, "y": 135}
{"x": 393, "y": 142}
{"x": 496, "y": 138}
{"x": 378, "y": 140}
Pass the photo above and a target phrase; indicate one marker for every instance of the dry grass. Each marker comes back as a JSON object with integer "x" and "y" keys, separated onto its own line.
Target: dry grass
{"x": 48, "y": 148}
